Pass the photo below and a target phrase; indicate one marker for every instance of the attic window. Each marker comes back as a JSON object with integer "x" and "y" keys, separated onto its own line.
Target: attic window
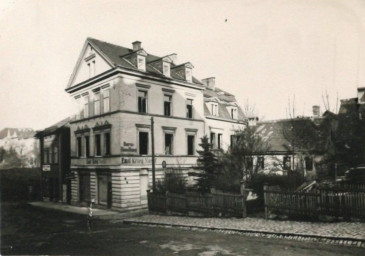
{"x": 234, "y": 113}
{"x": 166, "y": 69}
{"x": 188, "y": 75}
{"x": 214, "y": 109}
{"x": 141, "y": 63}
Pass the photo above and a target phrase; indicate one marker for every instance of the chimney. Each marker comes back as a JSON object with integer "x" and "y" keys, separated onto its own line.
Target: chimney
{"x": 137, "y": 46}
{"x": 209, "y": 82}
{"x": 316, "y": 110}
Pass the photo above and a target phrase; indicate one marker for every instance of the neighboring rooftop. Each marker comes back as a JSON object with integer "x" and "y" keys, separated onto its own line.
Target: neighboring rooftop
{"x": 18, "y": 133}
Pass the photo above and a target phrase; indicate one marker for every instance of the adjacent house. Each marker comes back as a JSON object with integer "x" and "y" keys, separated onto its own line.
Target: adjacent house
{"x": 54, "y": 147}
{"x": 117, "y": 92}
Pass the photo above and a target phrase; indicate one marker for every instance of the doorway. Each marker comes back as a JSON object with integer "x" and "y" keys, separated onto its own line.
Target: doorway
{"x": 104, "y": 190}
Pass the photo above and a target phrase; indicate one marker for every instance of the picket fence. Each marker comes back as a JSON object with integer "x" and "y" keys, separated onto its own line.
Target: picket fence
{"x": 340, "y": 202}
{"x": 211, "y": 205}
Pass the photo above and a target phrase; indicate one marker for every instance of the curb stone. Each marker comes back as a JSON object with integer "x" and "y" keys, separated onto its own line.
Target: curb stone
{"x": 344, "y": 241}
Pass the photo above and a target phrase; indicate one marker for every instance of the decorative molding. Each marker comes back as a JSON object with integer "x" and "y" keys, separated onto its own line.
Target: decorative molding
{"x": 144, "y": 86}
{"x": 104, "y": 126}
{"x": 168, "y": 90}
{"x": 105, "y": 86}
{"x": 191, "y": 130}
{"x": 85, "y": 94}
{"x": 143, "y": 126}
{"x": 78, "y": 96}
{"x": 168, "y": 128}
{"x": 90, "y": 57}
{"x": 190, "y": 94}
{"x": 84, "y": 130}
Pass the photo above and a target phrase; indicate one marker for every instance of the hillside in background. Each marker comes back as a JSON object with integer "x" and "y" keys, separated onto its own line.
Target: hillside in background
{"x": 19, "y": 148}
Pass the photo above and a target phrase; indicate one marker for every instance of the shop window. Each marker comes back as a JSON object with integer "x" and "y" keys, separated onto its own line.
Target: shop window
{"x": 168, "y": 143}
{"x": 167, "y": 105}
{"x": 143, "y": 143}
{"x": 191, "y": 139}
{"x": 142, "y": 102}
{"x": 189, "y": 108}
{"x": 97, "y": 145}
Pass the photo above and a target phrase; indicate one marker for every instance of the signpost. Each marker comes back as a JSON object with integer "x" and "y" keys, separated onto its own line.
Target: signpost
{"x": 153, "y": 156}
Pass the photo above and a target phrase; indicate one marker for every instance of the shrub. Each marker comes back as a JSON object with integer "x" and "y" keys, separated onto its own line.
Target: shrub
{"x": 174, "y": 182}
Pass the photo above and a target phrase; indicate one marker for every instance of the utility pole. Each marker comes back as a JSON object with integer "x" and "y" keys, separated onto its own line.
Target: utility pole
{"x": 153, "y": 156}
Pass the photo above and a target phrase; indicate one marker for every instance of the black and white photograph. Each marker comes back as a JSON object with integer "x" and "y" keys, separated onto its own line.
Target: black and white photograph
{"x": 182, "y": 127}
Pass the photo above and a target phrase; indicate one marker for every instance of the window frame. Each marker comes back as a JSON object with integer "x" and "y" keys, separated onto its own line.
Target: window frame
{"x": 139, "y": 141}
{"x": 193, "y": 145}
{"x": 106, "y": 99}
{"x": 146, "y": 101}
{"x": 170, "y": 133}
{"x": 79, "y": 146}
{"x": 170, "y": 104}
{"x": 97, "y": 99}
{"x": 96, "y": 145}
{"x": 189, "y": 112}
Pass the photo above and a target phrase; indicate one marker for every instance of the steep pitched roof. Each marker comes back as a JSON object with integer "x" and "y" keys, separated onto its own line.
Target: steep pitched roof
{"x": 115, "y": 54}
{"x": 63, "y": 123}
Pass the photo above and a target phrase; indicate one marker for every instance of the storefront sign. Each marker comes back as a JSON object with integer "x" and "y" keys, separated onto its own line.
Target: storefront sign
{"x": 136, "y": 160}
{"x": 128, "y": 147}
{"x": 46, "y": 168}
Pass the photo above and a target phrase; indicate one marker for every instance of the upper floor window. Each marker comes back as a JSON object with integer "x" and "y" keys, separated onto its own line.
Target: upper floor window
{"x": 97, "y": 103}
{"x": 107, "y": 143}
{"x": 167, "y": 105}
{"x": 141, "y": 63}
{"x": 142, "y": 101}
{"x": 166, "y": 69}
{"x": 87, "y": 146}
{"x": 189, "y": 108}
{"x": 214, "y": 109}
{"x": 212, "y": 139}
{"x": 106, "y": 100}
{"x": 169, "y": 137}
{"x": 97, "y": 144}
{"x": 79, "y": 147}
{"x": 86, "y": 106}
{"x": 143, "y": 143}
{"x": 234, "y": 113}
{"x": 219, "y": 140}
{"x": 191, "y": 139}
{"x": 188, "y": 75}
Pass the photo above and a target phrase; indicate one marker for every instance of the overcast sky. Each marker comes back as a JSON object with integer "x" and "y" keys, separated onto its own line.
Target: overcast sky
{"x": 260, "y": 50}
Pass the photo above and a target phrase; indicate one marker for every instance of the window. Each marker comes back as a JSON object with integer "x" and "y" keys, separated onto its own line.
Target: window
{"x": 233, "y": 112}
{"x": 79, "y": 147}
{"x": 214, "y": 109}
{"x": 142, "y": 102}
{"x": 212, "y": 139}
{"x": 89, "y": 67}
{"x": 106, "y": 101}
{"x": 55, "y": 155}
{"x": 143, "y": 143}
{"x": 219, "y": 141}
{"x": 287, "y": 162}
{"x": 86, "y": 106}
{"x": 188, "y": 75}
{"x": 141, "y": 63}
{"x": 45, "y": 156}
{"x": 168, "y": 143}
{"x": 97, "y": 103}
{"x": 261, "y": 162}
{"x": 189, "y": 108}
{"x": 97, "y": 145}
{"x": 87, "y": 146}
{"x": 308, "y": 163}
{"x": 50, "y": 153}
{"x": 191, "y": 139}
{"x": 167, "y": 105}
{"x": 107, "y": 143}
{"x": 166, "y": 69}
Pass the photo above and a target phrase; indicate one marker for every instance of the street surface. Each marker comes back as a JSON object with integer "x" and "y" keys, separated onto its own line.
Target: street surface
{"x": 34, "y": 231}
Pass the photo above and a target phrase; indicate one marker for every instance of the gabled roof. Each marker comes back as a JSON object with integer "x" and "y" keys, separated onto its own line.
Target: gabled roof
{"x": 116, "y": 55}
{"x": 63, "y": 123}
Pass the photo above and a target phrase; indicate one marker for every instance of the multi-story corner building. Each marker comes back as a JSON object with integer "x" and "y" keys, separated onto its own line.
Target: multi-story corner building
{"x": 118, "y": 90}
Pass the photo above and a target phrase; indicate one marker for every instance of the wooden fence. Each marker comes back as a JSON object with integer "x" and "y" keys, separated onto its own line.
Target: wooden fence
{"x": 214, "y": 204}
{"x": 336, "y": 202}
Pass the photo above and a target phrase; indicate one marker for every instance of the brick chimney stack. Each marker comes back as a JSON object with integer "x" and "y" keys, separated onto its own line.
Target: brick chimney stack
{"x": 209, "y": 82}
{"x": 316, "y": 110}
{"x": 137, "y": 45}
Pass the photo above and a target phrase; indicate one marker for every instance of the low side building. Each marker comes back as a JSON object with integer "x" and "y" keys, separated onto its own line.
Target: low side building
{"x": 54, "y": 147}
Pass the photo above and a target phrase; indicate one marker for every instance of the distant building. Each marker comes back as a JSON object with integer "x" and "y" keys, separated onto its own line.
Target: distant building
{"x": 23, "y": 142}
{"x": 55, "y": 161}
{"x": 117, "y": 91}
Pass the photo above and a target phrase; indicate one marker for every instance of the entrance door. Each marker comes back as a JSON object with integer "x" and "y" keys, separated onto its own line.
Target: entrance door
{"x": 84, "y": 188}
{"x": 104, "y": 190}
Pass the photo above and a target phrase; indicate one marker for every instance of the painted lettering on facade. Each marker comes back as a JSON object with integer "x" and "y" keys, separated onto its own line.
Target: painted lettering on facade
{"x": 136, "y": 160}
{"x": 128, "y": 147}
{"x": 95, "y": 161}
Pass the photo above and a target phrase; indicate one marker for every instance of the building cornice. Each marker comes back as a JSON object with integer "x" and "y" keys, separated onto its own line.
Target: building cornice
{"x": 227, "y": 120}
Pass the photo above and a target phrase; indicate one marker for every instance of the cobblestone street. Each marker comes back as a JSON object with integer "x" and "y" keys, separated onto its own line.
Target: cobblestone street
{"x": 345, "y": 230}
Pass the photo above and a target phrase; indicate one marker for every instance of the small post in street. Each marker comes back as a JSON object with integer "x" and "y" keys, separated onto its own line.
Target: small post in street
{"x": 153, "y": 156}
{"x": 266, "y": 202}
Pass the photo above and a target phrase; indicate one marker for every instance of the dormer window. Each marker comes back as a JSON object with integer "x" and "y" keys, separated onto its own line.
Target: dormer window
{"x": 234, "y": 113}
{"x": 188, "y": 75}
{"x": 141, "y": 63}
{"x": 166, "y": 69}
{"x": 214, "y": 109}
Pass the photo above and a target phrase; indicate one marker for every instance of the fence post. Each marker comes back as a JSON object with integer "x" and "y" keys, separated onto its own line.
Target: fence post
{"x": 243, "y": 193}
{"x": 266, "y": 202}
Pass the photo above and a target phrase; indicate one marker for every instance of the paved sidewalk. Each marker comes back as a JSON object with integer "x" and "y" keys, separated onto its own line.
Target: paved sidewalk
{"x": 353, "y": 231}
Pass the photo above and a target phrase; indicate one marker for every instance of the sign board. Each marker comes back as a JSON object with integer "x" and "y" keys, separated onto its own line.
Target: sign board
{"x": 164, "y": 164}
{"x": 46, "y": 168}
{"x": 136, "y": 160}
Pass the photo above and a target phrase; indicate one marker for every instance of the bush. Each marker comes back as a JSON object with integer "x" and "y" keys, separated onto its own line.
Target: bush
{"x": 286, "y": 183}
{"x": 174, "y": 182}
